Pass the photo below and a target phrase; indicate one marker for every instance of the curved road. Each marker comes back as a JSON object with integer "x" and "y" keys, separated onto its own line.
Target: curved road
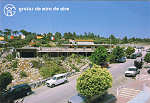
{"x": 61, "y": 93}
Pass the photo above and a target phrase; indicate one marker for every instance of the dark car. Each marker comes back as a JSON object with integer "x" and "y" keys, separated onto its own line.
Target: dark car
{"x": 121, "y": 60}
{"x": 133, "y": 56}
{"x": 148, "y": 71}
{"x": 17, "y": 92}
{"x": 77, "y": 99}
{"x": 138, "y": 54}
{"x": 147, "y": 50}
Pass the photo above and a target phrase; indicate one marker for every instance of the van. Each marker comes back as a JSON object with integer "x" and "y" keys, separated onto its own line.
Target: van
{"x": 56, "y": 80}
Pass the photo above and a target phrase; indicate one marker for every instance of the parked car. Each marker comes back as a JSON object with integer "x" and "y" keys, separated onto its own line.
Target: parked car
{"x": 56, "y": 80}
{"x": 147, "y": 50}
{"x": 139, "y": 54}
{"x": 133, "y": 56}
{"x": 132, "y": 71}
{"x": 121, "y": 60}
{"x": 148, "y": 71}
{"x": 17, "y": 92}
{"x": 105, "y": 65}
{"x": 77, "y": 99}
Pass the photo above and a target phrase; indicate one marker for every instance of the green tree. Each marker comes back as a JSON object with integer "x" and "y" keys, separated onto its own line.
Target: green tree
{"x": 125, "y": 40}
{"x": 9, "y": 57}
{"x": 58, "y": 36}
{"x": 94, "y": 82}
{"x": 5, "y": 79}
{"x": 138, "y": 64}
{"x": 99, "y": 56}
{"x": 118, "y": 53}
{"x": 147, "y": 58}
{"x": 1, "y": 32}
{"x": 15, "y": 32}
{"x": 129, "y": 51}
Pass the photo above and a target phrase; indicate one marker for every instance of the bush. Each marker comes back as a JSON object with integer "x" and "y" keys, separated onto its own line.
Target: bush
{"x": 129, "y": 51}
{"x": 14, "y": 64}
{"x": 111, "y": 58}
{"x": 74, "y": 68}
{"x": 51, "y": 68}
{"x": 117, "y": 53}
{"x": 147, "y": 58}
{"x": 45, "y": 57}
{"x": 36, "y": 64}
{"x": 138, "y": 64}
{"x": 9, "y": 57}
{"x": 99, "y": 56}
{"x": 5, "y": 79}
{"x": 94, "y": 82}
{"x": 23, "y": 74}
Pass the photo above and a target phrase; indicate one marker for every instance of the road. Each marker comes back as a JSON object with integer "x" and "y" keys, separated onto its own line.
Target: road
{"x": 61, "y": 93}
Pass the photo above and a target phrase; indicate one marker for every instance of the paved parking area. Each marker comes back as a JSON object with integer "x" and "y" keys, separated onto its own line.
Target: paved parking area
{"x": 135, "y": 91}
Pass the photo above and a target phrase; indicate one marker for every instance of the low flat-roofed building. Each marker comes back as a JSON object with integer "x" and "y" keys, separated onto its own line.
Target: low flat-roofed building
{"x": 83, "y": 47}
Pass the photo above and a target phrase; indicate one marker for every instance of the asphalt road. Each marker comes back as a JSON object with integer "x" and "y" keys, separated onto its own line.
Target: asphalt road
{"x": 61, "y": 93}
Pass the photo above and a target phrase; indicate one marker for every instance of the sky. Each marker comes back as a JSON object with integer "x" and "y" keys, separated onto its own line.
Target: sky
{"x": 121, "y": 18}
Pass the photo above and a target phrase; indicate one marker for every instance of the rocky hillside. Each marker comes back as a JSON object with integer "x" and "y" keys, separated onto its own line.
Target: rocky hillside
{"x": 28, "y": 70}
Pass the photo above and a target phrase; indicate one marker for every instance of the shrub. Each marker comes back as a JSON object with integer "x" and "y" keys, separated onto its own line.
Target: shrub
{"x": 99, "y": 56}
{"x": 138, "y": 64}
{"x": 9, "y": 57}
{"x": 45, "y": 57}
{"x": 51, "y": 68}
{"x": 5, "y": 79}
{"x": 147, "y": 58}
{"x": 129, "y": 51}
{"x": 23, "y": 74}
{"x": 94, "y": 82}
{"x": 36, "y": 64}
{"x": 14, "y": 64}
{"x": 74, "y": 68}
{"x": 117, "y": 53}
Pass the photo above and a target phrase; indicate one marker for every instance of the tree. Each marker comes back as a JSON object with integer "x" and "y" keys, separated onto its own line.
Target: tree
{"x": 1, "y": 32}
{"x": 15, "y": 32}
{"x": 138, "y": 64}
{"x": 125, "y": 40}
{"x": 58, "y": 36}
{"x": 5, "y": 79}
{"x": 118, "y": 53}
{"x": 129, "y": 51}
{"x": 99, "y": 56}
{"x": 147, "y": 58}
{"x": 94, "y": 82}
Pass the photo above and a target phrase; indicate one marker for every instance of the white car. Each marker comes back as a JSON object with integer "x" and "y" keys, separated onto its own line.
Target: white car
{"x": 56, "y": 80}
{"x": 132, "y": 71}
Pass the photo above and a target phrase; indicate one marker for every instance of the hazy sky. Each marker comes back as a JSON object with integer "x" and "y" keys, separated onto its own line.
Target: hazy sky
{"x": 101, "y": 17}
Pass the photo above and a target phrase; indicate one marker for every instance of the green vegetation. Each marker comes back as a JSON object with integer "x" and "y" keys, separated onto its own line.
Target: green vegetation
{"x": 94, "y": 82}
{"x": 15, "y": 64}
{"x": 36, "y": 64}
{"x": 62, "y": 38}
{"x": 138, "y": 64}
{"x": 116, "y": 54}
{"x": 147, "y": 58}
{"x": 23, "y": 74}
{"x": 129, "y": 51}
{"x": 99, "y": 56}
{"x": 10, "y": 57}
{"x": 5, "y": 79}
{"x": 74, "y": 68}
{"x": 51, "y": 68}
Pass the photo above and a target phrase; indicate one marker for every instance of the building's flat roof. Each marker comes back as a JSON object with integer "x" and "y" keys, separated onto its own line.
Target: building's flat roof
{"x": 85, "y": 40}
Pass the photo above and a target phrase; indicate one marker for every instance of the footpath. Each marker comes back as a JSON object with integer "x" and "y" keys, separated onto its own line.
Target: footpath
{"x": 137, "y": 91}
